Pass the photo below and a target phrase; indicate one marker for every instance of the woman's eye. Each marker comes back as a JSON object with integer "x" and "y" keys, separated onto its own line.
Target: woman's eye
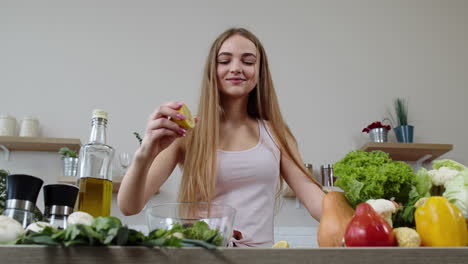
{"x": 249, "y": 63}
{"x": 223, "y": 62}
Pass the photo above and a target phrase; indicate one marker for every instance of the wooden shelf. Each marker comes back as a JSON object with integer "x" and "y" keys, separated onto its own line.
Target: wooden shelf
{"x": 409, "y": 151}
{"x": 39, "y": 143}
{"x": 116, "y": 181}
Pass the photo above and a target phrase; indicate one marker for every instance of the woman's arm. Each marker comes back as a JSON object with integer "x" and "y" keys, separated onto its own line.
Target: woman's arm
{"x": 332, "y": 211}
{"x": 155, "y": 159}
{"x": 309, "y": 193}
{"x": 144, "y": 178}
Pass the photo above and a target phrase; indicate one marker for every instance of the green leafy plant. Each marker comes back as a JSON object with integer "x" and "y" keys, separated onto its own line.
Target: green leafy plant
{"x": 401, "y": 111}
{"x": 138, "y": 137}
{"x": 67, "y": 153}
{"x": 373, "y": 175}
{"x": 3, "y": 175}
{"x": 107, "y": 231}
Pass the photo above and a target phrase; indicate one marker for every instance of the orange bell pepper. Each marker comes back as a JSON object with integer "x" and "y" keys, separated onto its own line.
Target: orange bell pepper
{"x": 441, "y": 224}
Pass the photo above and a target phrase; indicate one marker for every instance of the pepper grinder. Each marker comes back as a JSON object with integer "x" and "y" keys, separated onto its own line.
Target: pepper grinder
{"x": 22, "y": 191}
{"x": 328, "y": 178}
{"x": 59, "y": 200}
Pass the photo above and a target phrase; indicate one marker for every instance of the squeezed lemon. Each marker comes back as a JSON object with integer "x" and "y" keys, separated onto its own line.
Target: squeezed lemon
{"x": 281, "y": 244}
{"x": 188, "y": 122}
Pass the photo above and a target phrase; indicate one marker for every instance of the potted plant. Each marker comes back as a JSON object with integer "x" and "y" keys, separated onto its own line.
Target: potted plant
{"x": 138, "y": 137}
{"x": 70, "y": 161}
{"x": 3, "y": 175}
{"x": 403, "y": 132}
{"x": 377, "y": 131}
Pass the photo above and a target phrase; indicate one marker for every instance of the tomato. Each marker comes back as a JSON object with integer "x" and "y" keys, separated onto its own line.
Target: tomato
{"x": 368, "y": 229}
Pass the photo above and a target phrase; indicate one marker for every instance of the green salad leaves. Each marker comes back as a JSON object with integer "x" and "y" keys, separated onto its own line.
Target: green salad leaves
{"x": 373, "y": 175}
{"x": 109, "y": 231}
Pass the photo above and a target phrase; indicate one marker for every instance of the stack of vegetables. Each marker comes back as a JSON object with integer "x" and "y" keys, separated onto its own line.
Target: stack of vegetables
{"x": 396, "y": 207}
{"x": 84, "y": 230}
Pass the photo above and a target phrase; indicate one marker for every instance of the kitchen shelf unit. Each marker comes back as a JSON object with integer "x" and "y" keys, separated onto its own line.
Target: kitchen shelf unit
{"x": 8, "y": 144}
{"x": 416, "y": 152}
{"x": 39, "y": 143}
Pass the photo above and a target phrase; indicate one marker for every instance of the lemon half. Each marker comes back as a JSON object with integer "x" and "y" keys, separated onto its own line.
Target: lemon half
{"x": 187, "y": 123}
{"x": 281, "y": 244}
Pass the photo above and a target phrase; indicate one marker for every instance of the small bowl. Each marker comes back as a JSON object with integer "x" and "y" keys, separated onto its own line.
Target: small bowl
{"x": 217, "y": 216}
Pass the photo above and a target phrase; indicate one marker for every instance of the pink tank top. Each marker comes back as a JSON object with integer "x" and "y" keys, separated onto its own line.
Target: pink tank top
{"x": 247, "y": 180}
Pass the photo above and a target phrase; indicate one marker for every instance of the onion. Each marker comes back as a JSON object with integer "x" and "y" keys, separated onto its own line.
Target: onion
{"x": 80, "y": 218}
{"x": 37, "y": 226}
{"x": 10, "y": 229}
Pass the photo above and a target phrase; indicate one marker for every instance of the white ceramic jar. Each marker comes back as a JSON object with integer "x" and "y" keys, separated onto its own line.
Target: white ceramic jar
{"x": 7, "y": 125}
{"x": 29, "y": 127}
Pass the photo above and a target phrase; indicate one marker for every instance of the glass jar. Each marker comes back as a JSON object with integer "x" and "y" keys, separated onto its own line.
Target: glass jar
{"x": 7, "y": 126}
{"x": 29, "y": 127}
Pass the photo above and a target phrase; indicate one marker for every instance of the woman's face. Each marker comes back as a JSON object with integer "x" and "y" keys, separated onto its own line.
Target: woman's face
{"x": 237, "y": 66}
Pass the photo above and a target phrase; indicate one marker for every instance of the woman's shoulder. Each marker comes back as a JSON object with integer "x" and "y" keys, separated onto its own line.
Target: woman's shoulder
{"x": 284, "y": 131}
{"x": 270, "y": 131}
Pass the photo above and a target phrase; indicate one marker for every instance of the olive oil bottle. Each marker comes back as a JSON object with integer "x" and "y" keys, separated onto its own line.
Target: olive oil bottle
{"x": 95, "y": 169}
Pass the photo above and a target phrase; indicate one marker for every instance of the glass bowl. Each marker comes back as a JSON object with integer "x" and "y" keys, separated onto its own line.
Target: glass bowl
{"x": 217, "y": 216}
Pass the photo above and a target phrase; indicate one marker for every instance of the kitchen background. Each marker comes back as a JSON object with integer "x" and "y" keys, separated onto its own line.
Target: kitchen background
{"x": 336, "y": 65}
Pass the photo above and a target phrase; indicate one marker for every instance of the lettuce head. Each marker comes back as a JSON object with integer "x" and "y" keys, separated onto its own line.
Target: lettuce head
{"x": 451, "y": 164}
{"x": 373, "y": 175}
{"x": 456, "y": 191}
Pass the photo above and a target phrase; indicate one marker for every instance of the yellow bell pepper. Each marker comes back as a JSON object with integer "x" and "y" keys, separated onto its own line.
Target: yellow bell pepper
{"x": 441, "y": 224}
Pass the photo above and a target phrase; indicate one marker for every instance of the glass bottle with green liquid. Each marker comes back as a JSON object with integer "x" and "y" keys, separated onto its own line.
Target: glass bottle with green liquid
{"x": 95, "y": 169}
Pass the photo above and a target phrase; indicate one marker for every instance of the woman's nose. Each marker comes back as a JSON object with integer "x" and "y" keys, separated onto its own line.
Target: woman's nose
{"x": 235, "y": 67}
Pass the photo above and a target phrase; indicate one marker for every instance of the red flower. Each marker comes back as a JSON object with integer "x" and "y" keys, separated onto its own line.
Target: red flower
{"x": 376, "y": 124}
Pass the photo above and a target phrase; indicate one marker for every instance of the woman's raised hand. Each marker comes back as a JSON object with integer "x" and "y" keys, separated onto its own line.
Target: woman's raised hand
{"x": 161, "y": 131}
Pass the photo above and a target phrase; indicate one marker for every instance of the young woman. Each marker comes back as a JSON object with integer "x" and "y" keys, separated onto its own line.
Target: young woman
{"x": 239, "y": 152}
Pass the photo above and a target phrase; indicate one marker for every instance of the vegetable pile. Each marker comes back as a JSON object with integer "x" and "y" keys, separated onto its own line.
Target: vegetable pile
{"x": 107, "y": 231}
{"x": 395, "y": 207}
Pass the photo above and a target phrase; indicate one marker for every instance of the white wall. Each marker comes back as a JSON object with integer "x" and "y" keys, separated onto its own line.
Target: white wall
{"x": 337, "y": 65}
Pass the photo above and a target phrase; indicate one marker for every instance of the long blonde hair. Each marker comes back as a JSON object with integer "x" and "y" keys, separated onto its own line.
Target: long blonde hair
{"x": 200, "y": 162}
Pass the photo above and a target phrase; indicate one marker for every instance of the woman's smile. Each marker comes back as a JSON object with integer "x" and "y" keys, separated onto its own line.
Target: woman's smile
{"x": 236, "y": 80}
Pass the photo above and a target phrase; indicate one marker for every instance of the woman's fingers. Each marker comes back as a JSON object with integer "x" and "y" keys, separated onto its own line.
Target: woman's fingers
{"x": 168, "y": 110}
{"x": 164, "y": 132}
{"x": 163, "y": 123}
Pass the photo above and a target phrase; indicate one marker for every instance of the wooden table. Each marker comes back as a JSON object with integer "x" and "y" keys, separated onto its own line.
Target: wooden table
{"x": 141, "y": 255}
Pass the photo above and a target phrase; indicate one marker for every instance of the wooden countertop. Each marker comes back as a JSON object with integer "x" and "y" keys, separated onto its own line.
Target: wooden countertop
{"x": 142, "y": 255}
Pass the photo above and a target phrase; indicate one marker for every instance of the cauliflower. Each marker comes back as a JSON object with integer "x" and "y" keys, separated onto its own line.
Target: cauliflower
{"x": 384, "y": 208}
{"x": 407, "y": 237}
{"x": 442, "y": 175}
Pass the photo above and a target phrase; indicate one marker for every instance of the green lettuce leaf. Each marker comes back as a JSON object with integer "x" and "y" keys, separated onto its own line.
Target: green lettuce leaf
{"x": 373, "y": 175}
{"x": 423, "y": 183}
{"x": 456, "y": 191}
{"x": 436, "y": 164}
